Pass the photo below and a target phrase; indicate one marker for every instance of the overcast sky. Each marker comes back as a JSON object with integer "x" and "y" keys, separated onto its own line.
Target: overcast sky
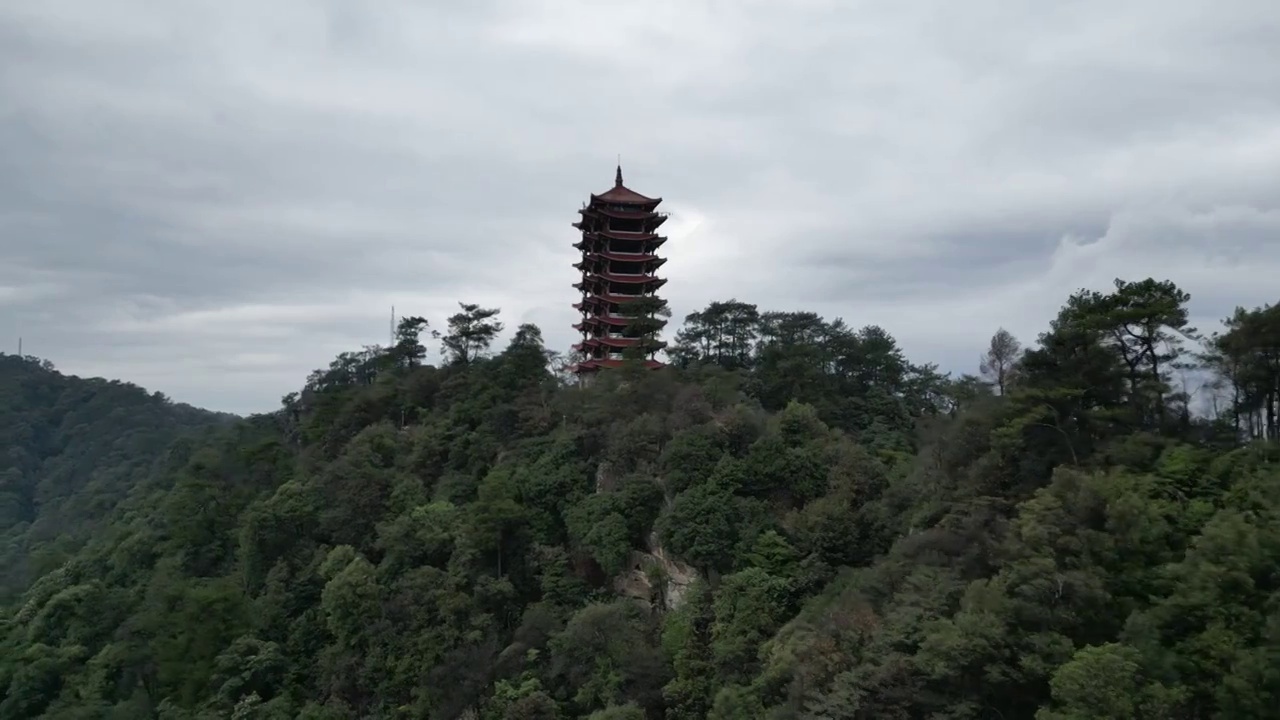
{"x": 212, "y": 198}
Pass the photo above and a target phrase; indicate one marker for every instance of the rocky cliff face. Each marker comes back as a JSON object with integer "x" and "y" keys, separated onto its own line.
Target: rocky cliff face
{"x": 655, "y": 578}
{"x": 651, "y": 575}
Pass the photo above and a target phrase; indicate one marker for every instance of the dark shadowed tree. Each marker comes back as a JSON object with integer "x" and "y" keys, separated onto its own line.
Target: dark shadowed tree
{"x": 409, "y": 351}
{"x": 1246, "y": 356}
{"x": 998, "y": 362}
{"x": 724, "y": 333}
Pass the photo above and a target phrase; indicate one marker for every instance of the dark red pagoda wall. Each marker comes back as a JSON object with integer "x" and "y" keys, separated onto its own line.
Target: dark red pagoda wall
{"x": 639, "y": 244}
{"x": 630, "y": 290}
{"x": 636, "y": 247}
{"x": 623, "y": 267}
{"x": 627, "y": 225}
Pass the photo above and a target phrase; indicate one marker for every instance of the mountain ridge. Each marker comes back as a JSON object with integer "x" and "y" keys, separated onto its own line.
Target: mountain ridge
{"x": 1059, "y": 539}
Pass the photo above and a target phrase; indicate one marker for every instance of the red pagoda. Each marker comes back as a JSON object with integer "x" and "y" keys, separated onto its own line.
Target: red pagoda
{"x": 619, "y": 258}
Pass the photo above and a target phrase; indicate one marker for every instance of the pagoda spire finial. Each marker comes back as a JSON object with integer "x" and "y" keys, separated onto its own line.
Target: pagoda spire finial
{"x": 617, "y": 180}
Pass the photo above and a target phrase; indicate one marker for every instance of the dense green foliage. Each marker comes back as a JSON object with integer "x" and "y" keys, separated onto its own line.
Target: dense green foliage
{"x": 73, "y": 448}
{"x": 793, "y": 522}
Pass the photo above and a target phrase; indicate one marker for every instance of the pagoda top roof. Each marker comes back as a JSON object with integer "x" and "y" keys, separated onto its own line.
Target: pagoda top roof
{"x": 624, "y": 195}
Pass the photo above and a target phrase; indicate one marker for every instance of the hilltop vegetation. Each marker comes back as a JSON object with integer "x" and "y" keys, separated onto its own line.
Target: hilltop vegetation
{"x": 794, "y": 522}
{"x": 73, "y": 448}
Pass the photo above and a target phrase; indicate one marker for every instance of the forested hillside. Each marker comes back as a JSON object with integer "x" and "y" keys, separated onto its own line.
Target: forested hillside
{"x": 73, "y": 448}
{"x": 794, "y": 522}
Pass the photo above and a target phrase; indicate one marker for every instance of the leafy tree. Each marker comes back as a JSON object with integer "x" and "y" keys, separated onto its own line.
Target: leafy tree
{"x": 725, "y": 333}
{"x": 646, "y": 317}
{"x": 471, "y": 333}
{"x": 701, "y": 526}
{"x": 1106, "y": 682}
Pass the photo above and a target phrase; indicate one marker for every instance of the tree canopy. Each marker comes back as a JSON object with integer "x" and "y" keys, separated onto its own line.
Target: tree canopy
{"x": 794, "y": 522}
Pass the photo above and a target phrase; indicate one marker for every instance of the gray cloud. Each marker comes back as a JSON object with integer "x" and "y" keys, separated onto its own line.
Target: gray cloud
{"x": 212, "y": 198}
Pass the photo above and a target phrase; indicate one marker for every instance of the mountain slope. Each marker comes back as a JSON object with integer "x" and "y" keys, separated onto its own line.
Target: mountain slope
{"x": 73, "y": 449}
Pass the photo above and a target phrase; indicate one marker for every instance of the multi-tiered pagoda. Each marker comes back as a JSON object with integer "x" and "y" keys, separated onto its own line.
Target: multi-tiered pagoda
{"x": 619, "y": 258}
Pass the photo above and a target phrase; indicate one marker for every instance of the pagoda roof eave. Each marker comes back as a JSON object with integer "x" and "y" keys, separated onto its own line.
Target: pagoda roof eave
{"x": 640, "y": 201}
{"x": 637, "y": 214}
{"x": 655, "y": 242}
{"x": 606, "y": 342}
{"x": 594, "y": 365}
{"x": 620, "y": 235}
{"x": 625, "y": 257}
{"x": 627, "y": 279}
{"x": 602, "y": 320}
{"x": 620, "y": 194}
{"x": 608, "y": 298}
